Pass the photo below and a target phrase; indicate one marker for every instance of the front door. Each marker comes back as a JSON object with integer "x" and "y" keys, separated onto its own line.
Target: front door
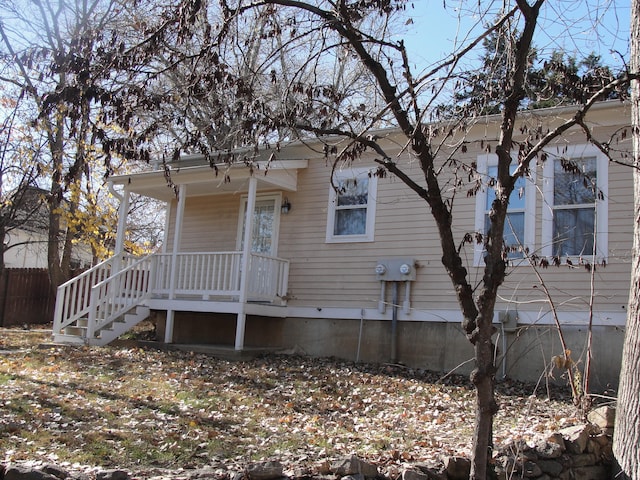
{"x": 266, "y": 220}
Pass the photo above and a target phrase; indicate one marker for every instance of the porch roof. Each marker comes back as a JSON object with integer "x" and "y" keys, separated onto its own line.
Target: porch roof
{"x": 203, "y": 180}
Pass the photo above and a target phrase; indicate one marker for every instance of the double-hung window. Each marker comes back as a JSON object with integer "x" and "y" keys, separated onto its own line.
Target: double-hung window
{"x": 351, "y": 212}
{"x": 575, "y": 213}
{"x": 519, "y": 226}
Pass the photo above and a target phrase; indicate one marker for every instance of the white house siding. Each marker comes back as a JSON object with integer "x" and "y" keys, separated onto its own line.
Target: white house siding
{"x": 333, "y": 285}
{"x": 342, "y": 275}
{"x": 210, "y": 223}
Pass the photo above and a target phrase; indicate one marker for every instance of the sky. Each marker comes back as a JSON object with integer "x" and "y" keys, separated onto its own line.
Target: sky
{"x": 563, "y": 24}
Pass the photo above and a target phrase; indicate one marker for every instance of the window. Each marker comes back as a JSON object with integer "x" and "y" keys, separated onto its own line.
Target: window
{"x": 519, "y": 227}
{"x": 575, "y": 213}
{"x": 351, "y": 212}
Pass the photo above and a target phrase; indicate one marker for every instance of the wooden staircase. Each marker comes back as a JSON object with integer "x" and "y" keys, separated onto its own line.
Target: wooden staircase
{"x": 104, "y": 302}
{"x": 77, "y": 334}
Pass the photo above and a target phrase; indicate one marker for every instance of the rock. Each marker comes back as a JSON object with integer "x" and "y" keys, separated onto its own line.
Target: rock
{"x": 584, "y": 460}
{"x": 531, "y": 470}
{"x": 592, "y": 473}
{"x": 413, "y": 475}
{"x": 457, "y": 468}
{"x": 607, "y": 454}
{"x": 113, "y": 475}
{"x": 594, "y": 447}
{"x": 205, "y": 472}
{"x": 431, "y": 471}
{"x": 264, "y": 470}
{"x": 576, "y": 437}
{"x": 16, "y": 472}
{"x": 551, "y": 467}
{"x": 352, "y": 465}
{"x": 324, "y": 467}
{"x": 547, "y": 449}
{"x": 56, "y": 471}
{"x": 604, "y": 417}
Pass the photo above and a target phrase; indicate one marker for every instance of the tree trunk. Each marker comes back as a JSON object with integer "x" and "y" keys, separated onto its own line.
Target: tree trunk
{"x": 626, "y": 438}
{"x": 483, "y": 378}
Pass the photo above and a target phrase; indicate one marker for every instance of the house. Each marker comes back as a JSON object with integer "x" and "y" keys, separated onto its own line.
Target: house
{"x": 27, "y": 235}
{"x": 356, "y": 273}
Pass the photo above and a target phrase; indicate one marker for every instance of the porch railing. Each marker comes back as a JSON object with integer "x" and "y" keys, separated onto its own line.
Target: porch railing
{"x": 118, "y": 294}
{"x": 101, "y": 296}
{"x": 73, "y": 298}
{"x": 268, "y": 278}
{"x": 204, "y": 273}
{"x": 217, "y": 274}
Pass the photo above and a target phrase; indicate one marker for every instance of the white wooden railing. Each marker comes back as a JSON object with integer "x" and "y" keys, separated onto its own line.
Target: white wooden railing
{"x": 73, "y": 298}
{"x": 217, "y": 274}
{"x": 268, "y": 278}
{"x": 101, "y": 296}
{"x": 204, "y": 274}
{"x": 119, "y": 293}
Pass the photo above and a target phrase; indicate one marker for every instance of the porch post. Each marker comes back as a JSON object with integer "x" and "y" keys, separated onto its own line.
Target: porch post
{"x": 177, "y": 237}
{"x": 123, "y": 213}
{"x": 246, "y": 252}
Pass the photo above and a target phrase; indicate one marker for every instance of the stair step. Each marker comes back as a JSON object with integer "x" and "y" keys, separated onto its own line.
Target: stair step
{"x": 69, "y": 339}
{"x": 75, "y": 331}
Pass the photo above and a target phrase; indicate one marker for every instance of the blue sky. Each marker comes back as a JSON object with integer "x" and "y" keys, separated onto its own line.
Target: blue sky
{"x": 577, "y": 26}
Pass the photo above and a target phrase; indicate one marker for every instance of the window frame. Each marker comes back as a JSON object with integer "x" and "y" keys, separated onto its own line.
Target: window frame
{"x": 484, "y": 162}
{"x": 601, "y": 211}
{"x": 346, "y": 174}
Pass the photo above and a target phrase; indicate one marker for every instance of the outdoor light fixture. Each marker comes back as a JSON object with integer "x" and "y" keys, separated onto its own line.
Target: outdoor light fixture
{"x": 286, "y": 206}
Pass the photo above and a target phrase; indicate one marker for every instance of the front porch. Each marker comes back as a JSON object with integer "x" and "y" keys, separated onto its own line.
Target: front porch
{"x": 106, "y": 301}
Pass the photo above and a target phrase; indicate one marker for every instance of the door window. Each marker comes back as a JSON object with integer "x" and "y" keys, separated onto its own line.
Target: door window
{"x": 265, "y": 225}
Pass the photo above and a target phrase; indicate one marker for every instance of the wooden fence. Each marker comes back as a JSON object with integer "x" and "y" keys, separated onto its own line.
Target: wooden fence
{"x": 25, "y": 297}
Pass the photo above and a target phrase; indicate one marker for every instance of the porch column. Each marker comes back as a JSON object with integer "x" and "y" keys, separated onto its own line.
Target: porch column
{"x": 123, "y": 213}
{"x": 177, "y": 237}
{"x": 246, "y": 252}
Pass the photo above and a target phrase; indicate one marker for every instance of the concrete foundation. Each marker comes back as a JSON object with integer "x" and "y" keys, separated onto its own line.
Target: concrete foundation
{"x": 436, "y": 346}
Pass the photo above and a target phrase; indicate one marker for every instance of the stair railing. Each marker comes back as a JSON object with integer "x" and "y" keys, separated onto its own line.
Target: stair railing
{"x": 116, "y": 295}
{"x": 74, "y": 296}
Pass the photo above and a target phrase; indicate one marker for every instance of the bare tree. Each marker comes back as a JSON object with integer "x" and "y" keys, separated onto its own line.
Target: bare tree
{"x": 407, "y": 101}
{"x": 20, "y": 200}
{"x": 626, "y": 436}
{"x": 85, "y": 68}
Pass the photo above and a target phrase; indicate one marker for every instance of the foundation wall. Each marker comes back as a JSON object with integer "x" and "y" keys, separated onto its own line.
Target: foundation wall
{"x": 436, "y": 346}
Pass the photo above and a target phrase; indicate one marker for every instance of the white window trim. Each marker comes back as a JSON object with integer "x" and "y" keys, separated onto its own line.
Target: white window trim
{"x": 483, "y": 163}
{"x": 602, "y": 206}
{"x": 369, "y": 235}
{"x": 277, "y": 198}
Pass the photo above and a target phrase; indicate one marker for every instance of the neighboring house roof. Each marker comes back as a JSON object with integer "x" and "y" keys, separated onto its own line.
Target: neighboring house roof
{"x": 31, "y": 213}
{"x": 28, "y": 234}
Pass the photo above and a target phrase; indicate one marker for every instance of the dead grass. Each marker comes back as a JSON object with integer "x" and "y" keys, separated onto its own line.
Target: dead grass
{"x": 136, "y": 408}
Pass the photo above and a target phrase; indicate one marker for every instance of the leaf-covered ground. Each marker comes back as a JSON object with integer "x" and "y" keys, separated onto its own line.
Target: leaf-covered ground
{"x": 136, "y": 408}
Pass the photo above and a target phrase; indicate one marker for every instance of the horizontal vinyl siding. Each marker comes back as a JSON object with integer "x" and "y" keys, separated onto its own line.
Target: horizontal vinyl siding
{"x": 210, "y": 223}
{"x": 342, "y": 274}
